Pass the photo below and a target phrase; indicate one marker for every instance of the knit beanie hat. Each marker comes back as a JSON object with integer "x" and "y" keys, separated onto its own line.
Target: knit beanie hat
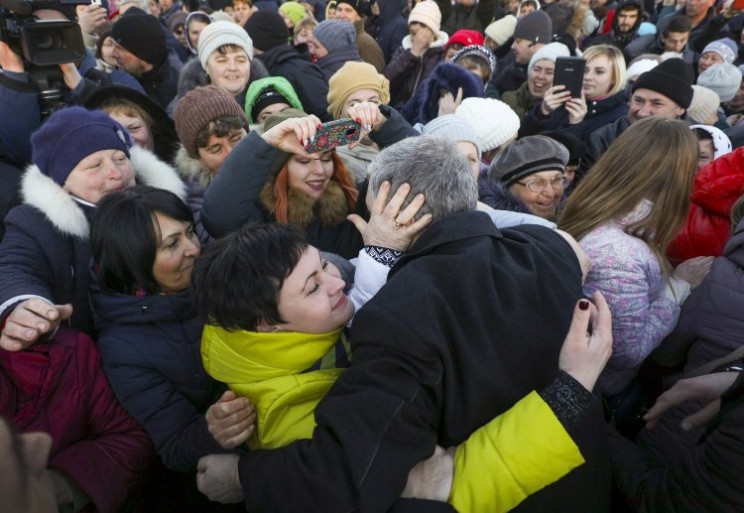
{"x": 222, "y": 33}
{"x": 477, "y": 51}
{"x": 427, "y": 13}
{"x": 335, "y": 35}
{"x": 536, "y": 27}
{"x": 351, "y": 77}
{"x": 493, "y": 121}
{"x": 723, "y": 79}
{"x": 453, "y": 128}
{"x": 704, "y": 104}
{"x": 266, "y": 29}
{"x": 294, "y": 11}
{"x": 268, "y": 91}
{"x": 358, "y": 5}
{"x": 672, "y": 78}
{"x": 721, "y": 142}
{"x": 465, "y": 38}
{"x": 549, "y": 52}
{"x": 198, "y": 108}
{"x": 277, "y": 118}
{"x": 70, "y": 135}
{"x": 527, "y": 156}
{"x": 725, "y": 47}
{"x": 142, "y": 35}
{"x": 641, "y": 66}
{"x": 501, "y": 30}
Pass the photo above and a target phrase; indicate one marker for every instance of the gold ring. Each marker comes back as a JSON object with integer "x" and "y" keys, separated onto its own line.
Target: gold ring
{"x": 398, "y": 225}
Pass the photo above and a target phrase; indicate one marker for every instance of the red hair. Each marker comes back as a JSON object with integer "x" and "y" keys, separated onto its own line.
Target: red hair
{"x": 340, "y": 176}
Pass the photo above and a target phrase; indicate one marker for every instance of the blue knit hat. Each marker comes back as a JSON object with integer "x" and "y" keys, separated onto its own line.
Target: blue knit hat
{"x": 70, "y": 135}
{"x": 335, "y": 34}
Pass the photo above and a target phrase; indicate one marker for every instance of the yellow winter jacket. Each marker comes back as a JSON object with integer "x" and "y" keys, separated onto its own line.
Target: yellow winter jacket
{"x": 516, "y": 454}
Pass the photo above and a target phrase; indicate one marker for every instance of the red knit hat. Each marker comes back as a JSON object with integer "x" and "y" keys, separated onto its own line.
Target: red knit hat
{"x": 465, "y": 38}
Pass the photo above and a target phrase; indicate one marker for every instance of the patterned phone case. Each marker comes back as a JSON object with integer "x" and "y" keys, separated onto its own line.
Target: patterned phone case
{"x": 334, "y": 133}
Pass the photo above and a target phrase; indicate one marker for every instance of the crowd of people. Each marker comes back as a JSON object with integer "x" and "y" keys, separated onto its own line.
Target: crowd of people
{"x": 502, "y": 295}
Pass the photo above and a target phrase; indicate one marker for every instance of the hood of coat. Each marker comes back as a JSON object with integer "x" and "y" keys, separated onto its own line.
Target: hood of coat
{"x": 67, "y": 215}
{"x": 191, "y": 169}
{"x": 719, "y": 184}
{"x": 390, "y": 10}
{"x": 439, "y": 42}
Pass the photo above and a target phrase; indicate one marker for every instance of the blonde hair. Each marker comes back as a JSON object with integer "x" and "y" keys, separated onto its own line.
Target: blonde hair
{"x": 126, "y": 107}
{"x": 308, "y": 22}
{"x": 654, "y": 159}
{"x": 617, "y": 64}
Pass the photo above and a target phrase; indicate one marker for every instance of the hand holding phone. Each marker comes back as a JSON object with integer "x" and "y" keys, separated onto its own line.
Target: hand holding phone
{"x": 334, "y": 133}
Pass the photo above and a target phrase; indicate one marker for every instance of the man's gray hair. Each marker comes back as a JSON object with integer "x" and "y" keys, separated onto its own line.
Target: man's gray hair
{"x": 432, "y": 166}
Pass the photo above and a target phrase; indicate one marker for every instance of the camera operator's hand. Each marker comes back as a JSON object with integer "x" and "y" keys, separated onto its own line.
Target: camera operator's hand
{"x": 9, "y": 60}
{"x": 93, "y": 19}
{"x": 70, "y": 74}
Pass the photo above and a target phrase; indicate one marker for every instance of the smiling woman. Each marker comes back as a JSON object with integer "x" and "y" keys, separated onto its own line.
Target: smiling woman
{"x": 225, "y": 52}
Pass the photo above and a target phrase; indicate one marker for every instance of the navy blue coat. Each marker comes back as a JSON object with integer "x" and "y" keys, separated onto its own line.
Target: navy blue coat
{"x": 150, "y": 351}
{"x": 599, "y": 113}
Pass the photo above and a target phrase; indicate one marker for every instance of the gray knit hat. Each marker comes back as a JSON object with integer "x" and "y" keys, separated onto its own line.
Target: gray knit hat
{"x": 220, "y": 33}
{"x": 527, "y": 156}
{"x": 335, "y": 34}
{"x": 536, "y": 27}
{"x": 549, "y": 52}
{"x": 453, "y": 128}
{"x": 723, "y": 79}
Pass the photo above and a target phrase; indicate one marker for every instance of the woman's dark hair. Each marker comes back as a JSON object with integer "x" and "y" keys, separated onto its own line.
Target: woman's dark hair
{"x": 124, "y": 239}
{"x": 702, "y": 135}
{"x": 238, "y": 278}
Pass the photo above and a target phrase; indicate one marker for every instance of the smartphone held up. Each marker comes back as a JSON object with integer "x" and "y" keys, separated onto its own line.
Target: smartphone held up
{"x": 334, "y": 133}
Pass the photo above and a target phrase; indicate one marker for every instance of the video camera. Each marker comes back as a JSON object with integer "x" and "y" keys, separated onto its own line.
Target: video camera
{"x": 43, "y": 44}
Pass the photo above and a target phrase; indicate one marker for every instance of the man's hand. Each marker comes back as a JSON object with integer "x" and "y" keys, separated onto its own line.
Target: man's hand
{"x": 93, "y": 19}
{"x": 70, "y": 74}
{"x": 705, "y": 390}
{"x": 584, "y": 355}
{"x": 217, "y": 478}
{"x": 30, "y": 320}
{"x": 9, "y": 60}
{"x": 432, "y": 478}
{"x": 231, "y": 420}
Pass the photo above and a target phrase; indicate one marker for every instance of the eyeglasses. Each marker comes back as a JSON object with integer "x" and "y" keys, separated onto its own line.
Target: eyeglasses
{"x": 539, "y": 184}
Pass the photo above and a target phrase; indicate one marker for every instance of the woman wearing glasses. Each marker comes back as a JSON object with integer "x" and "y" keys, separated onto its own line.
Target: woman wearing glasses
{"x": 529, "y": 176}
{"x": 624, "y": 213}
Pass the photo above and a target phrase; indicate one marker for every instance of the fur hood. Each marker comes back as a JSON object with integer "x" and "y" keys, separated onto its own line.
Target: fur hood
{"x": 66, "y": 214}
{"x": 191, "y": 169}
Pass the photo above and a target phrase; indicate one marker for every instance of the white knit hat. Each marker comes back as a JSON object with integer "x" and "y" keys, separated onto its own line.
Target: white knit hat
{"x": 724, "y": 79}
{"x": 501, "y": 30}
{"x": 721, "y": 142}
{"x": 494, "y": 121}
{"x": 549, "y": 52}
{"x": 453, "y": 128}
{"x": 427, "y": 13}
{"x": 641, "y": 66}
{"x": 704, "y": 104}
{"x": 221, "y": 33}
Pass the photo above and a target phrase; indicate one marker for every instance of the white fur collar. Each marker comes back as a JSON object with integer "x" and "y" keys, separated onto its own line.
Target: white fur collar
{"x": 66, "y": 214}
{"x": 191, "y": 169}
{"x": 441, "y": 40}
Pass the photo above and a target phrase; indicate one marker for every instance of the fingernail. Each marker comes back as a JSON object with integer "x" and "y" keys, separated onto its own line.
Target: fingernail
{"x": 319, "y": 126}
{"x": 358, "y": 120}
{"x": 29, "y": 333}
{"x": 583, "y": 304}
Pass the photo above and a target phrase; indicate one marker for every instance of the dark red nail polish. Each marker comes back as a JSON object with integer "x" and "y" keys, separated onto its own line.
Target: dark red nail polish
{"x": 584, "y": 304}
{"x": 318, "y": 126}
{"x": 358, "y": 120}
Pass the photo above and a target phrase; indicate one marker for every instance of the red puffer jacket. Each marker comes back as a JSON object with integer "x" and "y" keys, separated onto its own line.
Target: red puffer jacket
{"x": 58, "y": 387}
{"x": 715, "y": 190}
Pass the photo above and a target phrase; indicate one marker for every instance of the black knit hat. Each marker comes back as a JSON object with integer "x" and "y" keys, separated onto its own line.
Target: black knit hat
{"x": 673, "y": 78}
{"x": 269, "y": 96}
{"x": 142, "y": 35}
{"x": 536, "y": 27}
{"x": 267, "y": 29}
{"x": 359, "y": 5}
{"x": 527, "y": 156}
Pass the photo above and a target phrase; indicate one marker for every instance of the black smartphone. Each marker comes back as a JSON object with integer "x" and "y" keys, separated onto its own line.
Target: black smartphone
{"x": 569, "y": 72}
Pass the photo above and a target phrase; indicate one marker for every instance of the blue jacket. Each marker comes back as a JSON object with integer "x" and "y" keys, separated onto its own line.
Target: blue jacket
{"x": 599, "y": 113}
{"x": 150, "y": 353}
{"x": 46, "y": 252}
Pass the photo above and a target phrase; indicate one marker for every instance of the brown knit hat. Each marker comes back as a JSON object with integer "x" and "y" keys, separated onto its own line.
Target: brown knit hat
{"x": 198, "y": 108}
{"x": 351, "y": 77}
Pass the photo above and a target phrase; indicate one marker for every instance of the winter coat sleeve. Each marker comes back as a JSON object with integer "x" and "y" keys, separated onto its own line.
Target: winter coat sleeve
{"x": 705, "y": 478}
{"x": 359, "y": 457}
{"x": 395, "y": 129}
{"x": 21, "y": 115}
{"x": 230, "y": 201}
{"x": 115, "y": 455}
{"x": 521, "y": 451}
{"x": 178, "y": 430}
{"x": 25, "y": 271}
{"x": 401, "y": 66}
{"x": 641, "y": 315}
{"x": 535, "y": 123}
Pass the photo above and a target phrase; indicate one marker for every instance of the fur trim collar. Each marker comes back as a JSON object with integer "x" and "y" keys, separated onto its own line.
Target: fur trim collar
{"x": 192, "y": 169}
{"x": 66, "y": 214}
{"x": 331, "y": 208}
{"x": 440, "y": 41}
